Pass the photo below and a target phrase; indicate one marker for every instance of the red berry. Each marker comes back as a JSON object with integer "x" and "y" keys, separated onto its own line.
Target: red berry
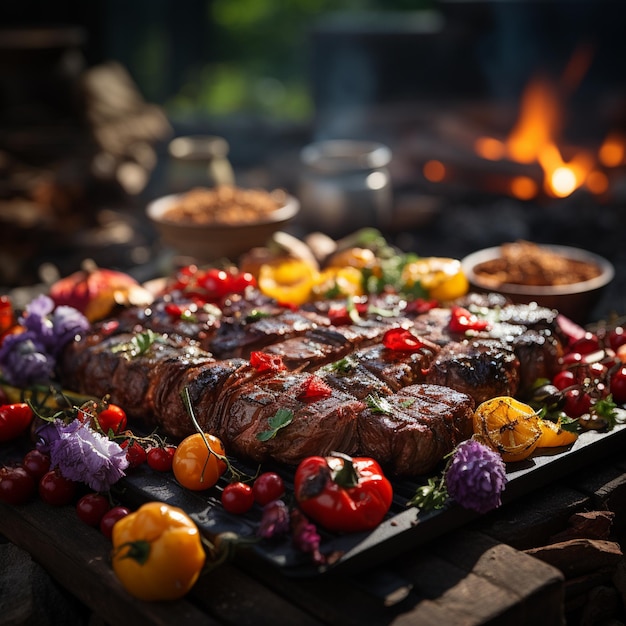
{"x": 110, "y": 518}
{"x": 91, "y": 508}
{"x": 55, "y": 489}
{"x": 267, "y": 487}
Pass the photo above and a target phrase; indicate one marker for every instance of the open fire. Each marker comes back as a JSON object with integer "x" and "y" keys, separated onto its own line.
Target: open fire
{"x": 555, "y": 169}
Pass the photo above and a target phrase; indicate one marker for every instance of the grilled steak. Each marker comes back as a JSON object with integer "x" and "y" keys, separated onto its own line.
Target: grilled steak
{"x": 411, "y": 431}
{"x": 315, "y": 426}
{"x": 481, "y": 368}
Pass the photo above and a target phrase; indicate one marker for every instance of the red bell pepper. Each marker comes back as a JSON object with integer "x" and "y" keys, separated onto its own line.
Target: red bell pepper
{"x": 341, "y": 493}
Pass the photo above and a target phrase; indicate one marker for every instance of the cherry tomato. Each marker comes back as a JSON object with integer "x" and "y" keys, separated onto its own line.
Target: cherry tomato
{"x": 160, "y": 459}
{"x": 618, "y": 385}
{"x": 237, "y": 498}
{"x": 564, "y": 379}
{"x": 617, "y": 337}
{"x": 112, "y": 417}
{"x": 110, "y": 518}
{"x": 267, "y": 487}
{"x": 14, "y": 420}
{"x": 586, "y": 344}
{"x": 135, "y": 453}
{"x": 194, "y": 466}
{"x": 17, "y": 486}
{"x": 55, "y": 489}
{"x": 242, "y": 280}
{"x": 218, "y": 283}
{"x": 36, "y": 463}
{"x": 577, "y": 403}
{"x": 91, "y": 508}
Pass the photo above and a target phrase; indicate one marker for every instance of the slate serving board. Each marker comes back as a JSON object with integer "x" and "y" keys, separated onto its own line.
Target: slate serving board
{"x": 404, "y": 528}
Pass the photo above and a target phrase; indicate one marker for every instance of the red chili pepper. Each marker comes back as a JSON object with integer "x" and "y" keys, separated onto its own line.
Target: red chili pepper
{"x": 402, "y": 340}
{"x": 341, "y": 315}
{"x": 314, "y": 388}
{"x": 341, "y": 493}
{"x": 462, "y": 320}
{"x": 264, "y": 362}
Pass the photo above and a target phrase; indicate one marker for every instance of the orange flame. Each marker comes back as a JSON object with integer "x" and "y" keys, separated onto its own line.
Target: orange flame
{"x": 533, "y": 139}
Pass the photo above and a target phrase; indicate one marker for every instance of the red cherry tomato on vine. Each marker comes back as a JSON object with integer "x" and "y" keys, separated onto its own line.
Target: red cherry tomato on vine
{"x": 237, "y": 498}
{"x": 242, "y": 280}
{"x": 218, "y": 283}
{"x": 577, "y": 403}
{"x": 135, "y": 453}
{"x": 564, "y": 379}
{"x": 55, "y": 489}
{"x": 110, "y": 518}
{"x": 36, "y": 463}
{"x": 267, "y": 487}
{"x": 617, "y": 338}
{"x": 113, "y": 417}
{"x": 17, "y": 486}
{"x": 587, "y": 344}
{"x": 14, "y": 420}
{"x": 618, "y": 385}
{"x": 160, "y": 459}
{"x": 91, "y": 508}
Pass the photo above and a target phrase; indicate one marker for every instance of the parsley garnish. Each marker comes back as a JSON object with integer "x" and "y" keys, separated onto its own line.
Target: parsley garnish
{"x": 139, "y": 344}
{"x": 378, "y": 404}
{"x": 342, "y": 366}
{"x": 432, "y": 495}
{"x": 282, "y": 418}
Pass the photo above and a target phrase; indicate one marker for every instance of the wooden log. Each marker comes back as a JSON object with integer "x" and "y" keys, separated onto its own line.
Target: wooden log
{"x": 579, "y": 556}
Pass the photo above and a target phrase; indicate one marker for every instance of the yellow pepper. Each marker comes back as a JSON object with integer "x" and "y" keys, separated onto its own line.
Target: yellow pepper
{"x": 157, "y": 552}
{"x": 442, "y": 277}
{"x": 289, "y": 281}
{"x": 338, "y": 282}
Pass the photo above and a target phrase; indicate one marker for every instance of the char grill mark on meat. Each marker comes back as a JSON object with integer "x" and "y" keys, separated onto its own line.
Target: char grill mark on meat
{"x": 239, "y": 337}
{"x": 311, "y": 350}
{"x": 349, "y": 375}
{"x": 416, "y": 428}
{"x": 316, "y": 427}
{"x": 481, "y": 368}
{"x": 203, "y": 382}
{"x": 112, "y": 365}
{"x": 396, "y": 368}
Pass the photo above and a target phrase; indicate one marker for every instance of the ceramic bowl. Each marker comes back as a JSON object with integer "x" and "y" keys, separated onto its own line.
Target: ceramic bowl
{"x": 575, "y": 300}
{"x": 212, "y": 241}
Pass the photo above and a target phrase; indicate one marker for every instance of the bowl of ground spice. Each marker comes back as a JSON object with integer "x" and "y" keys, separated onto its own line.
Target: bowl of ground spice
{"x": 223, "y": 222}
{"x": 565, "y": 278}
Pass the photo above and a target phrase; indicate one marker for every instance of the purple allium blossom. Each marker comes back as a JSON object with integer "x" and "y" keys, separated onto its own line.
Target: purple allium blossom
{"x": 30, "y": 356}
{"x": 274, "y": 520}
{"x": 476, "y": 477}
{"x": 83, "y": 455}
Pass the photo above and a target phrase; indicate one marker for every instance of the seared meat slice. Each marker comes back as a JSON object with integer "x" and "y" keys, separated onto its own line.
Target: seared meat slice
{"x": 311, "y": 350}
{"x": 239, "y": 337}
{"x": 203, "y": 382}
{"x": 481, "y": 368}
{"x": 396, "y": 368}
{"x": 315, "y": 426}
{"x": 411, "y": 431}
{"x": 351, "y": 376}
{"x": 539, "y": 353}
{"x": 119, "y": 366}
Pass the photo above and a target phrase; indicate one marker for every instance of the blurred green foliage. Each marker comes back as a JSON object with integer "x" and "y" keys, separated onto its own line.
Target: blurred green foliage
{"x": 260, "y": 56}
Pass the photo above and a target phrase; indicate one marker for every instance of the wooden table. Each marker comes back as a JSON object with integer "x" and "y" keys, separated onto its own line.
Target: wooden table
{"x": 466, "y": 577}
{"x": 479, "y": 574}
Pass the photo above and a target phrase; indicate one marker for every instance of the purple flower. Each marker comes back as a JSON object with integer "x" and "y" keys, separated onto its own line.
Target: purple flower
{"x": 274, "y": 520}
{"x": 30, "y": 357}
{"x": 24, "y": 360}
{"x": 83, "y": 455}
{"x": 476, "y": 477}
{"x": 67, "y": 323}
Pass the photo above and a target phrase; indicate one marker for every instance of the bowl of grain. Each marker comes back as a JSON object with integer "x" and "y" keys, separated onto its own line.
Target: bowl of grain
{"x": 565, "y": 278}
{"x": 220, "y": 222}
